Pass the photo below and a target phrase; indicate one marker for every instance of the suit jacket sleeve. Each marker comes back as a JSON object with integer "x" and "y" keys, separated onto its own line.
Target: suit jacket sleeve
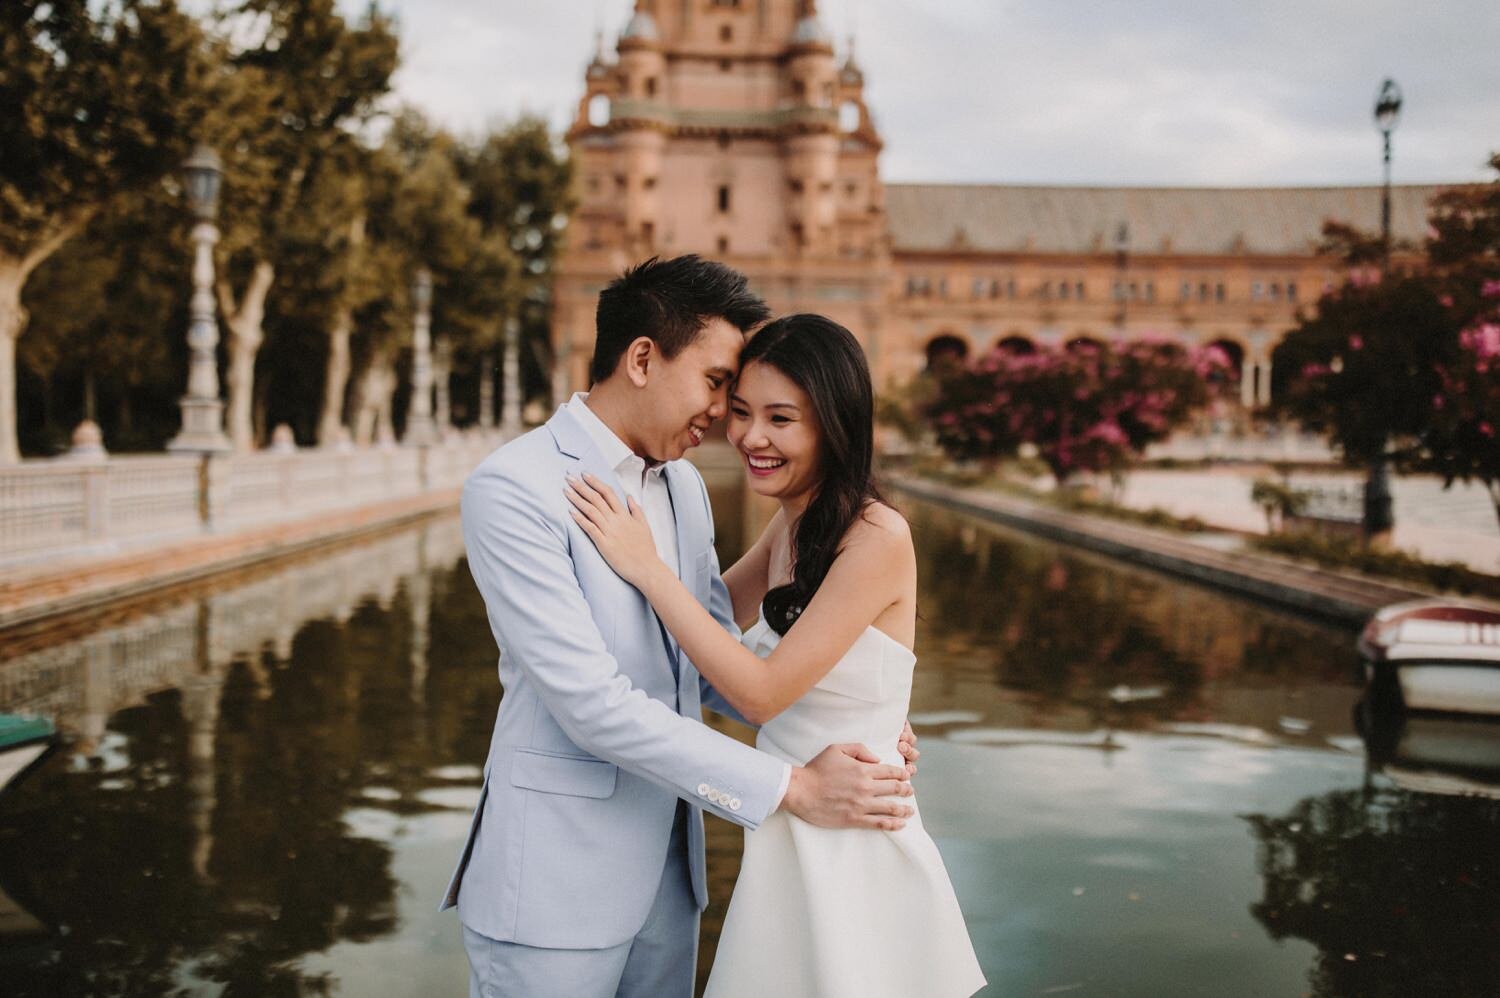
{"x": 519, "y": 555}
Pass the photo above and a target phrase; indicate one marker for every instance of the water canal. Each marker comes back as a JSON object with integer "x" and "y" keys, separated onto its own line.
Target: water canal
{"x": 1141, "y": 788}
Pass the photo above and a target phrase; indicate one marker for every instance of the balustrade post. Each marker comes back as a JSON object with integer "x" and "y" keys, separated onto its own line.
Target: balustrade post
{"x": 510, "y": 418}
{"x": 419, "y": 427}
{"x": 214, "y": 473}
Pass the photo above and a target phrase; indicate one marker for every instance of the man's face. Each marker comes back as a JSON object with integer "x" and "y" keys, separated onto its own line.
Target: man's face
{"x": 684, "y": 395}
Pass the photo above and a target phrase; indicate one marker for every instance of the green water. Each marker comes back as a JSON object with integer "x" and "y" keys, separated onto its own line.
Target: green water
{"x": 1140, "y": 787}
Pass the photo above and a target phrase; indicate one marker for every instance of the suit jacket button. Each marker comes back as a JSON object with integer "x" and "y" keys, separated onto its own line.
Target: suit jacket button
{"x": 734, "y": 803}
{"x": 703, "y": 790}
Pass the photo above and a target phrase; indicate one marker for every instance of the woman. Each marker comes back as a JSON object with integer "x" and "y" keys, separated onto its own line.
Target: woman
{"x": 828, "y": 599}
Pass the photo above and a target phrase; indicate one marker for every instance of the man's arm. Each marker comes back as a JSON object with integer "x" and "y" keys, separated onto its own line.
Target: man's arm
{"x": 519, "y": 556}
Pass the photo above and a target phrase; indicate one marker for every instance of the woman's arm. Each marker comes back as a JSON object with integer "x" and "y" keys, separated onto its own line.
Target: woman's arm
{"x": 868, "y": 575}
{"x": 748, "y": 579}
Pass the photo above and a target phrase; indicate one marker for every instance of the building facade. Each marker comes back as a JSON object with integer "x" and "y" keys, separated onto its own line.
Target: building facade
{"x": 730, "y": 128}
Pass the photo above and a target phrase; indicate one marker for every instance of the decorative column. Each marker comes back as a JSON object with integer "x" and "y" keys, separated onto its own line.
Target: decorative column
{"x": 442, "y": 373}
{"x": 486, "y": 392}
{"x": 1247, "y": 382}
{"x": 510, "y": 414}
{"x": 202, "y": 410}
{"x": 419, "y": 426}
{"x": 1263, "y": 396}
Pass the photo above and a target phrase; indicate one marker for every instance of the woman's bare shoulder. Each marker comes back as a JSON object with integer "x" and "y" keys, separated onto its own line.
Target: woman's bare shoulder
{"x": 880, "y": 525}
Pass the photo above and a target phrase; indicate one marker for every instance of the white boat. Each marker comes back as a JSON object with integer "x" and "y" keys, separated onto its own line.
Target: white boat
{"x": 23, "y": 740}
{"x": 1443, "y": 655}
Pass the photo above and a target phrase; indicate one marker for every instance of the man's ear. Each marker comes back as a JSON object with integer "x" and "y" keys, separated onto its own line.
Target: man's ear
{"x": 639, "y": 359}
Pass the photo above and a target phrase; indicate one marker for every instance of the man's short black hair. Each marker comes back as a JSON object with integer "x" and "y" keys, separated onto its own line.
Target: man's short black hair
{"x": 669, "y": 301}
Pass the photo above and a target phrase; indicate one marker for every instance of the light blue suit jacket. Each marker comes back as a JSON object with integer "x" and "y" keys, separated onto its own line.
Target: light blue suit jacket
{"x": 600, "y": 728}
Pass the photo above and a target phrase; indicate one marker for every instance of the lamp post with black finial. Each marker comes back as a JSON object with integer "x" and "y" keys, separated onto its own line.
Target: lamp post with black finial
{"x": 1378, "y": 514}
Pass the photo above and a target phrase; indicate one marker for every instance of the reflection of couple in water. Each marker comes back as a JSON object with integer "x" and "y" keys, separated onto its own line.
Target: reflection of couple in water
{"x": 592, "y": 543}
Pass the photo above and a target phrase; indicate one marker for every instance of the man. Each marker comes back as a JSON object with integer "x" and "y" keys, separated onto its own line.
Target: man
{"x": 583, "y": 874}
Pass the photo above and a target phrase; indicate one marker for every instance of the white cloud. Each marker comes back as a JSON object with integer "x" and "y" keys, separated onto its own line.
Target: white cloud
{"x": 1151, "y": 92}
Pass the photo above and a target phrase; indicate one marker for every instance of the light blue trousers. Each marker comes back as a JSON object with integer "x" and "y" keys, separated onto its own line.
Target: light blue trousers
{"x": 660, "y": 962}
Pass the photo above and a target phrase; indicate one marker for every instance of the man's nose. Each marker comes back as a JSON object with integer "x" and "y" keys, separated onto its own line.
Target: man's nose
{"x": 719, "y": 406}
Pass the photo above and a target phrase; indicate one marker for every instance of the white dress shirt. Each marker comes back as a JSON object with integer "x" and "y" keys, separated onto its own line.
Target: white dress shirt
{"x": 644, "y": 483}
{"x": 647, "y": 485}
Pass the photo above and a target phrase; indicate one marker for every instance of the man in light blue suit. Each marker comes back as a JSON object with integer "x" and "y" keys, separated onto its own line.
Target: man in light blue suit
{"x": 583, "y": 874}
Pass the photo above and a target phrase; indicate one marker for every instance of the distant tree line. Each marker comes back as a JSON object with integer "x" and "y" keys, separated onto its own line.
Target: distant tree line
{"x": 333, "y": 197}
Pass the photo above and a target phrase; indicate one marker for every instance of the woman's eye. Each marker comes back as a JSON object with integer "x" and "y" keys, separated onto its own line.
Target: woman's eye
{"x": 780, "y": 419}
{"x": 739, "y": 413}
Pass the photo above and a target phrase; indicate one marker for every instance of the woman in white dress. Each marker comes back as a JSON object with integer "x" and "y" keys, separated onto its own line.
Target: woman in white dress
{"x": 827, "y": 597}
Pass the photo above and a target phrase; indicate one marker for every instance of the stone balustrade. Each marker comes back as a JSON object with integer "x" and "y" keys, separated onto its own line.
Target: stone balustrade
{"x": 69, "y": 506}
{"x": 81, "y": 681}
{"x": 1293, "y": 448}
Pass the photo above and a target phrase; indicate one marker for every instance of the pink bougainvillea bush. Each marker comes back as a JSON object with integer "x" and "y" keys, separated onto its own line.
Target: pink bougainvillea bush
{"x": 1085, "y": 407}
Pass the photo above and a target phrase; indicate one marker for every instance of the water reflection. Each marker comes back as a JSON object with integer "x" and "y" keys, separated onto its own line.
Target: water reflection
{"x": 1047, "y": 637}
{"x": 239, "y": 768}
{"x": 1140, "y": 787}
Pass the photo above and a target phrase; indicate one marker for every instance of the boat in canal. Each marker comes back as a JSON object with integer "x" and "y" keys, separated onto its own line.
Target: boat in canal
{"x": 23, "y": 740}
{"x": 1439, "y": 655}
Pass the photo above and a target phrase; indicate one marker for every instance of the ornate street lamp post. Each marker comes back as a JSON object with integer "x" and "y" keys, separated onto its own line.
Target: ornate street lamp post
{"x": 1387, "y": 114}
{"x": 419, "y": 425}
{"x": 1378, "y": 516}
{"x": 202, "y": 410}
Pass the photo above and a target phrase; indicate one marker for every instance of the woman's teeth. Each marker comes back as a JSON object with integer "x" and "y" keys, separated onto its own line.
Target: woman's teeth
{"x": 765, "y": 463}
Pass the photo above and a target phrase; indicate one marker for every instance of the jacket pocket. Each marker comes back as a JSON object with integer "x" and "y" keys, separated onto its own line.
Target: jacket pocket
{"x": 562, "y": 774}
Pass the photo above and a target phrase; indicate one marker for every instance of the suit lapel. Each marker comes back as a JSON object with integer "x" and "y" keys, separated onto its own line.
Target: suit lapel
{"x": 679, "y": 487}
{"x": 575, "y": 442}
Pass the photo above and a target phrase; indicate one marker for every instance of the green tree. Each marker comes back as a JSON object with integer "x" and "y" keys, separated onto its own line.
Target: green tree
{"x": 417, "y": 217}
{"x": 105, "y": 340}
{"x": 298, "y": 82}
{"x": 520, "y": 192}
{"x": 1464, "y": 254}
{"x": 1404, "y": 369}
{"x": 1364, "y": 367}
{"x": 94, "y": 106}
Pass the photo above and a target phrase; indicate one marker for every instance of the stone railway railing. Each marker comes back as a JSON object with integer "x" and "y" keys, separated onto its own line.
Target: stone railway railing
{"x": 71, "y": 506}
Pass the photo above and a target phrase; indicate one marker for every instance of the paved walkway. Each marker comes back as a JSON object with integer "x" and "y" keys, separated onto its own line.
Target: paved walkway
{"x": 1342, "y": 596}
{"x": 1436, "y": 524}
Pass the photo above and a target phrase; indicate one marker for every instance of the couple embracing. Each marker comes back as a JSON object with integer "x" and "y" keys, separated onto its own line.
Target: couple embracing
{"x": 592, "y": 544}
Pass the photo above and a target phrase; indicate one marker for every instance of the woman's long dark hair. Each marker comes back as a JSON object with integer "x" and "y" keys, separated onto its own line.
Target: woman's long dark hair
{"x": 825, "y": 360}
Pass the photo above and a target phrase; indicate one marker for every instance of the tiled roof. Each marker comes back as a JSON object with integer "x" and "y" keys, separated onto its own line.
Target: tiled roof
{"x": 1178, "y": 220}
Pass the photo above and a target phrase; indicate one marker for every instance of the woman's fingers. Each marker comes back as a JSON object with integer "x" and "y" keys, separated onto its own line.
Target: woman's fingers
{"x": 604, "y": 492}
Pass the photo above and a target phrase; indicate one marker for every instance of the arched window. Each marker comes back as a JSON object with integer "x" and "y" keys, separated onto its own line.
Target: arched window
{"x": 946, "y": 352}
{"x": 599, "y": 110}
{"x": 848, "y": 116}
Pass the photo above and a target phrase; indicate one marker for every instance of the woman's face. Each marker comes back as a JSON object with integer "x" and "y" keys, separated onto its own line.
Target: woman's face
{"x": 773, "y": 426}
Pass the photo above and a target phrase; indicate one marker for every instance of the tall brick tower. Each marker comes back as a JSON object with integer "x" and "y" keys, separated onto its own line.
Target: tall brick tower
{"x": 726, "y": 128}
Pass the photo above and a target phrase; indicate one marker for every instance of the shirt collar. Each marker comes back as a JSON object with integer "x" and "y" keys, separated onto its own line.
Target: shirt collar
{"x": 620, "y": 457}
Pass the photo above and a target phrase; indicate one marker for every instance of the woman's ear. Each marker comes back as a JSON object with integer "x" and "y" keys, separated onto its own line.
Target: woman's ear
{"x": 640, "y": 356}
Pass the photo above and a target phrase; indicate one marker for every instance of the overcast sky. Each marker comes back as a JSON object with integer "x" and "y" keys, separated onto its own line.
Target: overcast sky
{"x": 1198, "y": 92}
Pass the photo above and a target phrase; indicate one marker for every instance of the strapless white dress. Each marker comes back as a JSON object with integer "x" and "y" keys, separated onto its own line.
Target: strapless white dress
{"x": 851, "y": 913}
